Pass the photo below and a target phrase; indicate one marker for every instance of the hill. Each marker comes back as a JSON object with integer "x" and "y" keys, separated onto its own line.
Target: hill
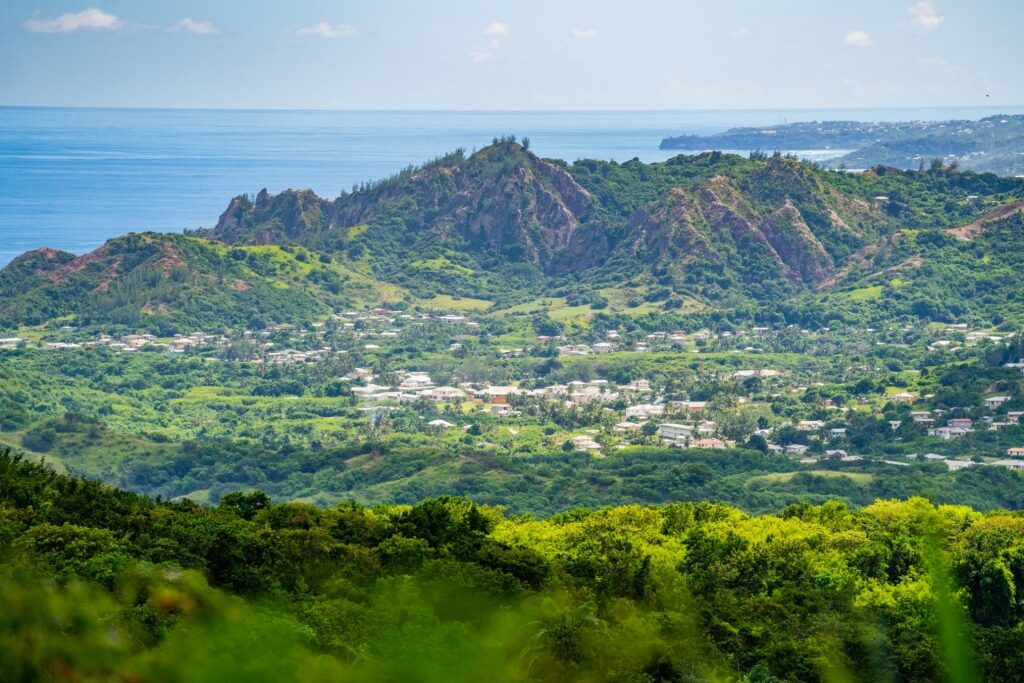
{"x": 505, "y": 227}
{"x": 716, "y": 228}
{"x": 178, "y": 282}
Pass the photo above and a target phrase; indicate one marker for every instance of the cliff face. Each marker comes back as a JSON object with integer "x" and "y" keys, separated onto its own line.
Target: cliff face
{"x": 796, "y": 245}
{"x": 270, "y": 219}
{"x": 699, "y": 237}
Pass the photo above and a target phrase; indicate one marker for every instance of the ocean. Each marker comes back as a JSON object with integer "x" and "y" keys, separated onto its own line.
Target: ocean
{"x": 73, "y": 178}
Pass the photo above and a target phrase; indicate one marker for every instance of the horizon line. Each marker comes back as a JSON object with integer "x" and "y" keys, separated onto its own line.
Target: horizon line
{"x": 371, "y": 110}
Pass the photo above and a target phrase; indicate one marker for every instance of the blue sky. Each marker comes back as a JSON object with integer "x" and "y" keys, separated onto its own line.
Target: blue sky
{"x": 528, "y": 54}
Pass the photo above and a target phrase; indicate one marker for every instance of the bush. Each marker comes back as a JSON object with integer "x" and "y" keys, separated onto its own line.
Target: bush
{"x": 39, "y": 439}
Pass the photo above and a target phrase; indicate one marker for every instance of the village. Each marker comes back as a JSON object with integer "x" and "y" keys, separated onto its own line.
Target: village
{"x": 597, "y": 415}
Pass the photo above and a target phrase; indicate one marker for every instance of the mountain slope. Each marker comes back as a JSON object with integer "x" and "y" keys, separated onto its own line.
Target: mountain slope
{"x": 167, "y": 279}
{"x": 508, "y": 227}
{"x": 449, "y": 226}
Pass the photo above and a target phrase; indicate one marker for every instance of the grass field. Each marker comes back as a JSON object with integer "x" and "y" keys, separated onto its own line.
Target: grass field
{"x": 445, "y": 302}
{"x": 783, "y": 477}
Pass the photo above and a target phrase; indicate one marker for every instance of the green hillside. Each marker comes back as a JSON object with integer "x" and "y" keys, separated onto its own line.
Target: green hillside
{"x": 505, "y": 227}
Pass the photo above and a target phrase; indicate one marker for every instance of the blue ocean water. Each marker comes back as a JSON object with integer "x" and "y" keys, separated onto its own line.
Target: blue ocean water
{"x": 73, "y": 178}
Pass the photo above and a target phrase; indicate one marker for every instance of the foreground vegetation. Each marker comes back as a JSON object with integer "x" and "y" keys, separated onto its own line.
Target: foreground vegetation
{"x": 98, "y": 584}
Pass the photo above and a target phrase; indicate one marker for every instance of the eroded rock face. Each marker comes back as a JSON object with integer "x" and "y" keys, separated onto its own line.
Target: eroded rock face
{"x": 504, "y": 200}
{"x": 667, "y": 229}
{"x": 796, "y": 245}
{"x": 291, "y": 215}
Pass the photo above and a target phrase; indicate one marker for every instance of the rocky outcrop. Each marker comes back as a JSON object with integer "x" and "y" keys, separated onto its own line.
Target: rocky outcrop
{"x": 796, "y": 245}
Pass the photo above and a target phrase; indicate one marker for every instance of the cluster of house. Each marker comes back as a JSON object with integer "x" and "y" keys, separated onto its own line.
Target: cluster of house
{"x": 411, "y": 386}
{"x": 971, "y": 338}
{"x": 375, "y": 323}
{"x": 664, "y": 340}
{"x": 956, "y": 427}
{"x": 653, "y": 341}
{"x": 136, "y": 342}
{"x": 1013, "y": 461}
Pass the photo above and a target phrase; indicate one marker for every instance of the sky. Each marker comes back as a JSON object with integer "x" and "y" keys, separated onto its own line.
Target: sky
{"x": 527, "y": 54}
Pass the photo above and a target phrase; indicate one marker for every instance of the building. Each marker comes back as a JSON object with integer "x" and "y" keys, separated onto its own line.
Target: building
{"x": 1016, "y": 465}
{"x": 993, "y": 402}
{"x": 642, "y": 410}
{"x": 1015, "y": 452}
{"x": 443, "y": 394}
{"x": 675, "y": 432}
{"x": 416, "y": 380}
{"x": 955, "y": 465}
{"x": 710, "y": 443}
{"x": 584, "y": 443}
{"x": 687, "y": 406}
{"x": 948, "y": 433}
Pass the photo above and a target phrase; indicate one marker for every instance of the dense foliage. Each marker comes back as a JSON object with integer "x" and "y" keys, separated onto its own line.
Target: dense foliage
{"x": 98, "y": 583}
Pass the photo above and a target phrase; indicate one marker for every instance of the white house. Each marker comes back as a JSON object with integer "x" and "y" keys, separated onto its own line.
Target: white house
{"x": 416, "y": 380}
{"x": 675, "y": 432}
{"x": 948, "y": 433}
{"x": 993, "y": 402}
{"x": 443, "y": 394}
{"x": 645, "y": 410}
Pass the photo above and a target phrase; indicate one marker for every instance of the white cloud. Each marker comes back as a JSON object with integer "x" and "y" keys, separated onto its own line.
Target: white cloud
{"x": 497, "y": 30}
{"x": 857, "y": 39}
{"x": 586, "y": 33}
{"x": 325, "y": 30}
{"x": 741, "y": 32}
{"x": 190, "y": 25}
{"x": 90, "y": 19}
{"x": 924, "y": 15}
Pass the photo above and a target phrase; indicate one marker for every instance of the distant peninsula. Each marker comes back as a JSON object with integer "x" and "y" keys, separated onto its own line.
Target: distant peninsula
{"x": 993, "y": 144}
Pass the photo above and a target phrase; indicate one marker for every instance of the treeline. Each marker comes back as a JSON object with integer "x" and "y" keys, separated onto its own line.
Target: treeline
{"x": 98, "y": 584}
